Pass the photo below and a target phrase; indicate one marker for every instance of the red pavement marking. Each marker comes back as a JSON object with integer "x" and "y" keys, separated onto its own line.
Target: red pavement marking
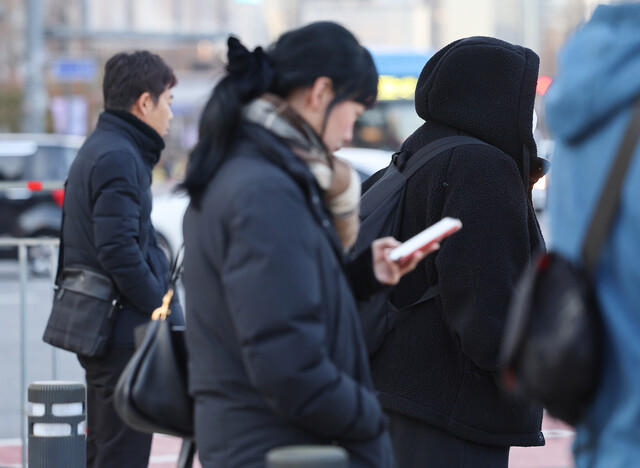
{"x": 556, "y": 453}
{"x": 165, "y": 449}
{"x": 164, "y": 453}
{"x": 10, "y": 453}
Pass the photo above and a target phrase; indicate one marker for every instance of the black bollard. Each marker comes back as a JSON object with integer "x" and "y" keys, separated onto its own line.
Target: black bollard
{"x": 57, "y": 413}
{"x": 308, "y": 456}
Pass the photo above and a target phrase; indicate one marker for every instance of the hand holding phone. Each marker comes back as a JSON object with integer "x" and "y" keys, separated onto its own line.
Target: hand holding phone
{"x": 421, "y": 241}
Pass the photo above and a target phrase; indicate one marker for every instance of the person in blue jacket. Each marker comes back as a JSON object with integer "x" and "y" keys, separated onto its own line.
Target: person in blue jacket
{"x": 588, "y": 107}
{"x": 107, "y": 228}
{"x": 276, "y": 352}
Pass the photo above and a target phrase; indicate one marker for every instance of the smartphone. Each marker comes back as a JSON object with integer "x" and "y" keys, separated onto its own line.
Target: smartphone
{"x": 422, "y": 241}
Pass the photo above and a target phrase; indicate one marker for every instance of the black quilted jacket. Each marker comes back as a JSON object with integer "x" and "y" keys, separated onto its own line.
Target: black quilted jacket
{"x": 107, "y": 224}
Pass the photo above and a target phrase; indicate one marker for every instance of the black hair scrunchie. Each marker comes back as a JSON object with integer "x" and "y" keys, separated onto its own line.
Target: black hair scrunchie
{"x": 250, "y": 72}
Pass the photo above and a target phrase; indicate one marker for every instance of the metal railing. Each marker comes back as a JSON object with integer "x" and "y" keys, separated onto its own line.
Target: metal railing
{"x": 23, "y": 244}
{"x": 33, "y": 185}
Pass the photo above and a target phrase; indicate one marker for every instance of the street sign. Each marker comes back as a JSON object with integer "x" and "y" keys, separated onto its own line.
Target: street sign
{"x": 70, "y": 70}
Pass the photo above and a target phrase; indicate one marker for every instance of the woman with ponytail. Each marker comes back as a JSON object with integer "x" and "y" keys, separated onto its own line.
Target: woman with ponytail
{"x": 276, "y": 352}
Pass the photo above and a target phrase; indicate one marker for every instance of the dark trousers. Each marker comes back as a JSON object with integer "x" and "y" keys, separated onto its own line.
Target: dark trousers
{"x": 418, "y": 445}
{"x": 110, "y": 442}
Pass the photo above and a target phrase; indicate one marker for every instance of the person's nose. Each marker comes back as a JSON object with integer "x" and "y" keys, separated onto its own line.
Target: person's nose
{"x": 348, "y": 136}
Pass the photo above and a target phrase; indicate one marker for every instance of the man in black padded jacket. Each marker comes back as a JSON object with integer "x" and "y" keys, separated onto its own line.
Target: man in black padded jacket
{"x": 107, "y": 228}
{"x": 436, "y": 373}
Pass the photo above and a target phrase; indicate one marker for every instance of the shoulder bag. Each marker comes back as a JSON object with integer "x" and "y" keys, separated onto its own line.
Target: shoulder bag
{"x": 85, "y": 304}
{"x": 552, "y": 350}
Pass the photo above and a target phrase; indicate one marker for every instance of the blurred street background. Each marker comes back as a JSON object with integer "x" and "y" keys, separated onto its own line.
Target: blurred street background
{"x": 52, "y": 52}
{"x": 52, "y": 55}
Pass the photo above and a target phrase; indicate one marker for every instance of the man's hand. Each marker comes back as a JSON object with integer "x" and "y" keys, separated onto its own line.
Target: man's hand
{"x": 386, "y": 270}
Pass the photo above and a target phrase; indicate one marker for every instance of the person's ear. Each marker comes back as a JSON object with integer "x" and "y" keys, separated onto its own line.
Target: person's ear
{"x": 321, "y": 93}
{"x": 143, "y": 105}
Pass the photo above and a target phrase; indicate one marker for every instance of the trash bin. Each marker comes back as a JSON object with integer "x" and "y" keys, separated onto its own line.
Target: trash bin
{"x": 308, "y": 456}
{"x": 56, "y": 420}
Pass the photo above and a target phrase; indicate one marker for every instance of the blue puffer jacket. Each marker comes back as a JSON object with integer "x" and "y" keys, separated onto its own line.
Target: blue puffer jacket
{"x": 588, "y": 108}
{"x": 107, "y": 224}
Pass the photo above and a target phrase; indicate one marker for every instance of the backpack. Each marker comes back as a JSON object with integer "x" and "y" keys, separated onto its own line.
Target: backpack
{"x": 381, "y": 210}
{"x": 553, "y": 345}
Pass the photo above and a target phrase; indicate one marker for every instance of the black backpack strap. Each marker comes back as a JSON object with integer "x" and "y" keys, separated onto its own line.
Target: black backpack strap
{"x": 428, "y": 152}
{"x": 430, "y": 293}
{"x": 415, "y": 162}
{"x": 404, "y": 312}
{"x": 384, "y": 190}
{"x": 603, "y": 215}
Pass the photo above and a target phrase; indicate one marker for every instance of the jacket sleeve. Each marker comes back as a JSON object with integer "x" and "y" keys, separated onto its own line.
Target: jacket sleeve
{"x": 479, "y": 265}
{"x": 359, "y": 270}
{"x": 273, "y": 281}
{"x": 362, "y": 278}
{"x": 116, "y": 222}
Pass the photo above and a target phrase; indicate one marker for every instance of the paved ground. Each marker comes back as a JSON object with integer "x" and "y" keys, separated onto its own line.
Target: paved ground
{"x": 555, "y": 454}
{"x": 165, "y": 449}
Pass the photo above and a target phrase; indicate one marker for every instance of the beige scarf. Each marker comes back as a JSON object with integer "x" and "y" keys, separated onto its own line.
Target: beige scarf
{"x": 335, "y": 176}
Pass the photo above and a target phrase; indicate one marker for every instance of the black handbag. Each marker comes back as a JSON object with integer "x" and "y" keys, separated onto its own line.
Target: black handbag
{"x": 552, "y": 350}
{"x": 85, "y": 304}
{"x": 152, "y": 392}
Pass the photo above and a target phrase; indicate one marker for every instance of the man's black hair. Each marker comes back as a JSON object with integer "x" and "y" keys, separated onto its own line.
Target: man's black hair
{"x": 127, "y": 76}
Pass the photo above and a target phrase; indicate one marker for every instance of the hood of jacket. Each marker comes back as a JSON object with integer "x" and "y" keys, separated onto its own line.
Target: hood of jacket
{"x": 598, "y": 72}
{"x": 485, "y": 87}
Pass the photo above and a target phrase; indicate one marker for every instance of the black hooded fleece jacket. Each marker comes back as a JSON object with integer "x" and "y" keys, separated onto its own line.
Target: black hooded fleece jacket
{"x": 440, "y": 364}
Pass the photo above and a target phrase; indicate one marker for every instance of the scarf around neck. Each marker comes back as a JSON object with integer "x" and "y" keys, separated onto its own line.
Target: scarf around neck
{"x": 338, "y": 180}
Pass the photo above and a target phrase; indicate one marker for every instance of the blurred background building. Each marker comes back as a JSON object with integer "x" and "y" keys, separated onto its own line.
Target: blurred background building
{"x": 52, "y": 52}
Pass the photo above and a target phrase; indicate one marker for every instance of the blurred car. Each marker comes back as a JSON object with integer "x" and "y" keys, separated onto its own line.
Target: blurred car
{"x": 168, "y": 208}
{"x": 27, "y": 162}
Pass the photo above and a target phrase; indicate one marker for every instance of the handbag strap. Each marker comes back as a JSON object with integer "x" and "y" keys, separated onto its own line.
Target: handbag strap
{"x": 176, "y": 271}
{"x": 187, "y": 453}
{"x": 176, "y": 267}
{"x": 61, "y": 243}
{"x": 605, "y": 211}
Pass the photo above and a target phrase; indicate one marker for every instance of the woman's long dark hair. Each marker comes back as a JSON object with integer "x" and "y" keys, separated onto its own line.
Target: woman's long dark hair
{"x": 293, "y": 62}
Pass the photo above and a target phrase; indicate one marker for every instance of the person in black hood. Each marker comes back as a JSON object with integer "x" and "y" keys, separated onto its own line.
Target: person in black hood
{"x": 107, "y": 228}
{"x": 436, "y": 373}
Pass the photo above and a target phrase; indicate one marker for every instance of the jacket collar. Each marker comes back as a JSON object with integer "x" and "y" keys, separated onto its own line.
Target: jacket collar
{"x": 139, "y": 133}
{"x": 274, "y": 114}
{"x": 277, "y": 152}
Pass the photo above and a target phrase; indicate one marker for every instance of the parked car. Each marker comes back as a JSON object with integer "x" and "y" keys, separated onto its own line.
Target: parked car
{"x": 168, "y": 208}
{"x": 27, "y": 162}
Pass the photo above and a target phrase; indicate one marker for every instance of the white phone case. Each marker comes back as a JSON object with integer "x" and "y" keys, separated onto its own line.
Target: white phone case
{"x": 424, "y": 239}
